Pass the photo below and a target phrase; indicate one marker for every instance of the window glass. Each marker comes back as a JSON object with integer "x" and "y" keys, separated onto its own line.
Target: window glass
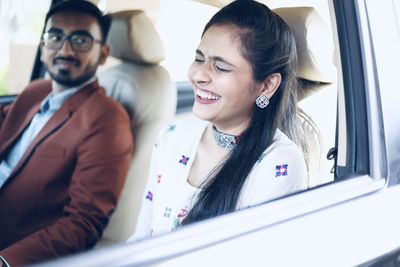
{"x": 181, "y": 33}
{"x": 21, "y": 26}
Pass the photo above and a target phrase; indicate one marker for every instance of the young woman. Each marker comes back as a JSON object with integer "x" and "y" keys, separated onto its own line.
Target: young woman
{"x": 247, "y": 148}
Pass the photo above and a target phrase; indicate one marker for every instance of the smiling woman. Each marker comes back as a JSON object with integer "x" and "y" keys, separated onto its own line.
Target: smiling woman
{"x": 245, "y": 91}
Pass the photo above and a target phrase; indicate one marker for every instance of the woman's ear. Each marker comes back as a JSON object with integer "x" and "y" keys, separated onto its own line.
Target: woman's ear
{"x": 271, "y": 84}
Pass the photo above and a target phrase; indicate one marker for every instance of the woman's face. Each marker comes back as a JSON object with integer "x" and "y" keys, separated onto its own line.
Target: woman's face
{"x": 222, "y": 79}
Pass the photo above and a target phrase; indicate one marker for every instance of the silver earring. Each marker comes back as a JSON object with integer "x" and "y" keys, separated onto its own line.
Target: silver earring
{"x": 262, "y": 101}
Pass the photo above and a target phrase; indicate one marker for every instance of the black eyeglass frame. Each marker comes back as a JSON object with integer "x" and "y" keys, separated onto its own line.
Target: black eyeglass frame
{"x": 68, "y": 37}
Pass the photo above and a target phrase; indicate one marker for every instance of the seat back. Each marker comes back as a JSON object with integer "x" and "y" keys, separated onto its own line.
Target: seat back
{"x": 146, "y": 91}
{"x": 318, "y": 74}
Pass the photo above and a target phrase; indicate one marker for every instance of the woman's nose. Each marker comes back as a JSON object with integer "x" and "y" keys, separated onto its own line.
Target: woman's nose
{"x": 200, "y": 73}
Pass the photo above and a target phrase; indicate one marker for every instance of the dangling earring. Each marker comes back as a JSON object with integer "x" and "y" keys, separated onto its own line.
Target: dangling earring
{"x": 262, "y": 101}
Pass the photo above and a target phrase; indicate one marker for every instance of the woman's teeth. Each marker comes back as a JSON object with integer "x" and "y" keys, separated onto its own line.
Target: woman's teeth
{"x": 205, "y": 95}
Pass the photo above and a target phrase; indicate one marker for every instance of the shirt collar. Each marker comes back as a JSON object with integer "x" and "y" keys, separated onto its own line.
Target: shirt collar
{"x": 54, "y": 101}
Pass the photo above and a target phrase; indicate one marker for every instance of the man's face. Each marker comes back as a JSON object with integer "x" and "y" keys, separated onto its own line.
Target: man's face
{"x": 67, "y": 65}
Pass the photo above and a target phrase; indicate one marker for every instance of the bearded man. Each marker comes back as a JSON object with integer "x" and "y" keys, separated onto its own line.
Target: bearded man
{"x": 65, "y": 147}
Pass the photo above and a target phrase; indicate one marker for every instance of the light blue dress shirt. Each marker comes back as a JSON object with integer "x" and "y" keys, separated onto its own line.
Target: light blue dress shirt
{"x": 48, "y": 107}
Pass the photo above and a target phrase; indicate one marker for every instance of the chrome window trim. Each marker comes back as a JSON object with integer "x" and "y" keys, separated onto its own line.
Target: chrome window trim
{"x": 377, "y": 147}
{"x": 356, "y": 160}
{"x": 341, "y": 125}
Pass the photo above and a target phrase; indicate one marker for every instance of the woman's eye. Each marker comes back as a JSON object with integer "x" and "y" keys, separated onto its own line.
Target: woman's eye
{"x": 219, "y": 68}
{"x": 198, "y": 59}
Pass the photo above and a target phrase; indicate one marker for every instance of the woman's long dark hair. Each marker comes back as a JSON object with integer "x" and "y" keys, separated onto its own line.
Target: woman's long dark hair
{"x": 269, "y": 46}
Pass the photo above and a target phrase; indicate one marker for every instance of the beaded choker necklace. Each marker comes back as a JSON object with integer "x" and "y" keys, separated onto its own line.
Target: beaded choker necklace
{"x": 225, "y": 141}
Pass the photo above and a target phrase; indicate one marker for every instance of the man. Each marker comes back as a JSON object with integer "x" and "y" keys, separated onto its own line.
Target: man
{"x": 64, "y": 146}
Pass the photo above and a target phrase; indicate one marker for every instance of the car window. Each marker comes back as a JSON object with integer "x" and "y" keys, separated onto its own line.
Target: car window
{"x": 181, "y": 42}
{"x": 21, "y": 26}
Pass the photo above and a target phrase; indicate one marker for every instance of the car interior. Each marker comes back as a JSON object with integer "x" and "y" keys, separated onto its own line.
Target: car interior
{"x": 136, "y": 77}
{"x": 347, "y": 108}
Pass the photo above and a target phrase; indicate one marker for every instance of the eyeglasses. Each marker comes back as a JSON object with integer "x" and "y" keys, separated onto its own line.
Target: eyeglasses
{"x": 80, "y": 42}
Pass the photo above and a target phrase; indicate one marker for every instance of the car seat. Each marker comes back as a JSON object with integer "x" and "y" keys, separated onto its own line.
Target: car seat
{"x": 318, "y": 96}
{"x": 146, "y": 91}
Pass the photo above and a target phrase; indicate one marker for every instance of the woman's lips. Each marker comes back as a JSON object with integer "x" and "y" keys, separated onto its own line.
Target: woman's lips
{"x": 206, "y": 97}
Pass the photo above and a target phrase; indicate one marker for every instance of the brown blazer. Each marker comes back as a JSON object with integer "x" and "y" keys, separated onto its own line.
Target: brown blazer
{"x": 59, "y": 197}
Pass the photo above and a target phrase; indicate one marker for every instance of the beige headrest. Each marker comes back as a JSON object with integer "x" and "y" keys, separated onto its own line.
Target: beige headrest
{"x": 314, "y": 43}
{"x": 132, "y": 37}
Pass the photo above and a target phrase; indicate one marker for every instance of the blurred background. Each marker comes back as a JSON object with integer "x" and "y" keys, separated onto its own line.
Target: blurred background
{"x": 21, "y": 25}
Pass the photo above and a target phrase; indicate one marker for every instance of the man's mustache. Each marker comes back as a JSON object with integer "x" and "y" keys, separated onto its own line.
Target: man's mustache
{"x": 74, "y": 61}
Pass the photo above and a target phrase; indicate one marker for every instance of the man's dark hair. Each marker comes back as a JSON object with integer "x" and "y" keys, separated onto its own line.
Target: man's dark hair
{"x": 84, "y": 7}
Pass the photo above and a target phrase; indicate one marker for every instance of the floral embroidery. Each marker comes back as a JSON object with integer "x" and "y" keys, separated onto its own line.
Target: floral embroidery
{"x": 149, "y": 196}
{"x": 182, "y": 213}
{"x": 184, "y": 160}
{"x": 281, "y": 170}
{"x": 179, "y": 218}
{"x": 167, "y": 212}
{"x": 171, "y": 128}
{"x": 176, "y": 223}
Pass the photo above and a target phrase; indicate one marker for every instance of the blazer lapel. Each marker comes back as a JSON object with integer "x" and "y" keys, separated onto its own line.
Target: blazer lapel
{"x": 21, "y": 128}
{"x": 22, "y": 115}
{"x": 56, "y": 122}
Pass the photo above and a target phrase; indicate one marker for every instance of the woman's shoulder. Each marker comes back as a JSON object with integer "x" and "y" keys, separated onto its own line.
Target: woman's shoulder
{"x": 282, "y": 143}
{"x": 282, "y": 140}
{"x": 282, "y": 154}
{"x": 280, "y": 170}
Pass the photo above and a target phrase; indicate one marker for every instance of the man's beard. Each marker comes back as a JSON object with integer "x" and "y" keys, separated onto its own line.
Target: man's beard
{"x": 62, "y": 77}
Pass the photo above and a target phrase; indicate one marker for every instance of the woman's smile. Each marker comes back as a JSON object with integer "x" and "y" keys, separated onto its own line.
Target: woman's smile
{"x": 206, "y": 97}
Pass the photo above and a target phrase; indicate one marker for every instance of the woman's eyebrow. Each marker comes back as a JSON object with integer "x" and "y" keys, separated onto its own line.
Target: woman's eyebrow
{"x": 221, "y": 59}
{"x": 198, "y": 51}
{"x": 216, "y": 58}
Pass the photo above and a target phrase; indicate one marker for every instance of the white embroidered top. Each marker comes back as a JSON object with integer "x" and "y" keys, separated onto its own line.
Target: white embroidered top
{"x": 168, "y": 197}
